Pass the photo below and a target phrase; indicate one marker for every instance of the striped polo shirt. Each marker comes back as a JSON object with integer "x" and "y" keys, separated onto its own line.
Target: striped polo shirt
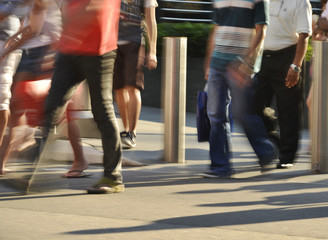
{"x": 236, "y": 20}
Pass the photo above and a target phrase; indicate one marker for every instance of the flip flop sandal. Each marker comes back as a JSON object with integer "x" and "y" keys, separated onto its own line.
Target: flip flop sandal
{"x": 80, "y": 174}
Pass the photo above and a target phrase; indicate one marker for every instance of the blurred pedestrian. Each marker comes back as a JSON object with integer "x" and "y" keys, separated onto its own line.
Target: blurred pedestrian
{"x": 236, "y": 43}
{"x": 285, "y": 46}
{"x": 31, "y": 81}
{"x": 129, "y": 64}
{"x": 9, "y": 24}
{"x": 87, "y": 50}
{"x": 320, "y": 25}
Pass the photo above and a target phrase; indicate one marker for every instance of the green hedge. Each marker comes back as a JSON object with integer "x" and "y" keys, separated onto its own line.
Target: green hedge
{"x": 196, "y": 33}
{"x": 309, "y": 53}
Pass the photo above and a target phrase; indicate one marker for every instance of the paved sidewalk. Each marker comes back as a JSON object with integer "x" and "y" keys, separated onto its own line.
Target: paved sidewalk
{"x": 169, "y": 201}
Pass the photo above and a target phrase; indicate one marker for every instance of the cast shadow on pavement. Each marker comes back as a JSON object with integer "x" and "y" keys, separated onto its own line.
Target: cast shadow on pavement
{"x": 218, "y": 220}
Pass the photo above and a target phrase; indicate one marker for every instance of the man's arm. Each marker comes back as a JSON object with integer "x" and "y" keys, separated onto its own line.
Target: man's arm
{"x": 152, "y": 36}
{"x": 209, "y": 51}
{"x": 256, "y": 44}
{"x": 292, "y": 76}
{"x": 245, "y": 68}
{"x": 37, "y": 17}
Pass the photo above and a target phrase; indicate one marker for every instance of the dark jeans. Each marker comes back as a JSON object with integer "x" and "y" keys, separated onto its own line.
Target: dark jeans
{"x": 290, "y": 101}
{"x": 70, "y": 70}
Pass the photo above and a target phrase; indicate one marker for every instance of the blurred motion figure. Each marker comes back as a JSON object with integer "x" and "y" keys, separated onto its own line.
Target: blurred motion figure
{"x": 235, "y": 44}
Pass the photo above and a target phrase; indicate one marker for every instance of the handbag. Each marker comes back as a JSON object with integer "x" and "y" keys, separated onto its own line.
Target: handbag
{"x": 203, "y": 122}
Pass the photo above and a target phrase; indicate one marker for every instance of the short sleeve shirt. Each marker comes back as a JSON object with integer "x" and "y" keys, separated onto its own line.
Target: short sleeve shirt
{"x": 130, "y": 19}
{"x": 89, "y": 29}
{"x": 287, "y": 20}
{"x": 236, "y": 22}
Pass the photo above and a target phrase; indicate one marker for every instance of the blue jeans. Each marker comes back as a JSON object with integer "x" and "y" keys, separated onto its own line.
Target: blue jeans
{"x": 220, "y": 84}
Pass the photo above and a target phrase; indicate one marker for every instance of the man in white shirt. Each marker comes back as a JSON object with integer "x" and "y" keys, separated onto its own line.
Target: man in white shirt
{"x": 285, "y": 46}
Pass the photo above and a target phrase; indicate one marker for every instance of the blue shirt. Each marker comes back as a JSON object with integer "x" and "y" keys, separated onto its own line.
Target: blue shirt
{"x": 236, "y": 20}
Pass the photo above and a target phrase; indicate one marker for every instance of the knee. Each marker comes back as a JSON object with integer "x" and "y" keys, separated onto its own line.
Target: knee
{"x": 132, "y": 90}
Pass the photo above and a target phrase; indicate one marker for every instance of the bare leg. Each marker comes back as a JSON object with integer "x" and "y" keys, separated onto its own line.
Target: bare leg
{"x": 122, "y": 99}
{"x": 134, "y": 107}
{"x": 4, "y": 114}
{"x": 6, "y": 143}
{"x": 4, "y": 150}
{"x": 79, "y": 163}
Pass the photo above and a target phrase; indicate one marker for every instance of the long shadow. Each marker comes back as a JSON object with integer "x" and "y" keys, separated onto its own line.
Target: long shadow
{"x": 271, "y": 188}
{"x": 303, "y": 199}
{"x": 140, "y": 178}
{"x": 10, "y": 197}
{"x": 218, "y": 220}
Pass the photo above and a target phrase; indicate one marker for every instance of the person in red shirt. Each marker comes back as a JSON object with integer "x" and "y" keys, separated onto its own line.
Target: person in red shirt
{"x": 87, "y": 50}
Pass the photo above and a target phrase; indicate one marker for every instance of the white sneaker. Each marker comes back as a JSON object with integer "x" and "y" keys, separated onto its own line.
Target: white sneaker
{"x": 128, "y": 139}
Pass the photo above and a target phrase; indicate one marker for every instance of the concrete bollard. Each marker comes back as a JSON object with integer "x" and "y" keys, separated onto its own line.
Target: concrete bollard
{"x": 319, "y": 117}
{"x": 174, "y": 98}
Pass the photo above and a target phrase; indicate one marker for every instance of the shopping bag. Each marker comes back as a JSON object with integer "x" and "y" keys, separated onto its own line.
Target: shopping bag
{"x": 203, "y": 122}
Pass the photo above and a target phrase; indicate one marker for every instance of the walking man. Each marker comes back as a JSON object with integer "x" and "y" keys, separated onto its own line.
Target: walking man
{"x": 87, "y": 50}
{"x": 284, "y": 50}
{"x": 9, "y": 24}
{"x": 236, "y": 42}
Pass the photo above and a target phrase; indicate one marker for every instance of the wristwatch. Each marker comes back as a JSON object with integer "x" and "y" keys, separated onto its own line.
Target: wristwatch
{"x": 295, "y": 68}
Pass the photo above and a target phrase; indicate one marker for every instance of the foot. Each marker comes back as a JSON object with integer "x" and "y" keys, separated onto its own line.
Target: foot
{"x": 128, "y": 139}
{"x": 4, "y": 170}
{"x": 284, "y": 165}
{"x": 77, "y": 169}
{"x": 214, "y": 175}
{"x": 75, "y": 174}
{"x": 106, "y": 185}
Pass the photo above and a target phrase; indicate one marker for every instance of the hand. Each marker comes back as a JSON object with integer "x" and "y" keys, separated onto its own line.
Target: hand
{"x": 141, "y": 57}
{"x": 207, "y": 72}
{"x": 241, "y": 74}
{"x": 151, "y": 61}
{"x": 292, "y": 78}
{"x": 318, "y": 35}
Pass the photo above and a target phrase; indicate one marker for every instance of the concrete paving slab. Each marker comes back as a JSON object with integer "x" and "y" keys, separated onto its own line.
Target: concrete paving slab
{"x": 170, "y": 201}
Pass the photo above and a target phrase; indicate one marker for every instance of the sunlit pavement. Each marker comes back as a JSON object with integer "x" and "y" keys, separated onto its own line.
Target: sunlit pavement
{"x": 167, "y": 200}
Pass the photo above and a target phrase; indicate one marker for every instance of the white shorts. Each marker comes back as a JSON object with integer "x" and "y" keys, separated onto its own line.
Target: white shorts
{"x": 7, "y": 71}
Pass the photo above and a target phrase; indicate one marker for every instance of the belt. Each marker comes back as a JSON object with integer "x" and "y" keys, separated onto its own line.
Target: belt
{"x": 269, "y": 53}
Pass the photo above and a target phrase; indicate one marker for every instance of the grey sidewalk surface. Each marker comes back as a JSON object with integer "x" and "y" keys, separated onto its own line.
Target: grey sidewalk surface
{"x": 170, "y": 201}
